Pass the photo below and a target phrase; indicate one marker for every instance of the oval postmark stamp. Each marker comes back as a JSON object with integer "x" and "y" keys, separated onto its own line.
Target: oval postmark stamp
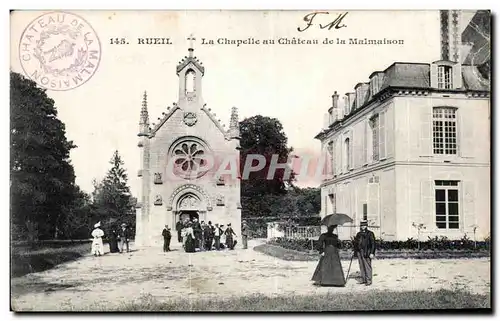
{"x": 59, "y": 51}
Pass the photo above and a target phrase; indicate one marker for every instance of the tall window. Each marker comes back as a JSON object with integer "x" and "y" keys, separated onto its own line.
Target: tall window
{"x": 444, "y": 77}
{"x": 365, "y": 212}
{"x": 347, "y": 147}
{"x": 447, "y": 209}
{"x": 190, "y": 75}
{"x": 444, "y": 131}
{"x": 331, "y": 157}
{"x": 375, "y": 137}
{"x": 333, "y": 200}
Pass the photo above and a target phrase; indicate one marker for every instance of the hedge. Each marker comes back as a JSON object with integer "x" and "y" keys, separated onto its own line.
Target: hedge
{"x": 433, "y": 244}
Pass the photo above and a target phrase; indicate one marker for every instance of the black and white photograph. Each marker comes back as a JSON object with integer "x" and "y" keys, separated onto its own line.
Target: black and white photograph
{"x": 250, "y": 160}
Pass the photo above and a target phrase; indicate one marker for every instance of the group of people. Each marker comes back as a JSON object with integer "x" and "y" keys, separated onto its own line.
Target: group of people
{"x": 200, "y": 236}
{"x": 329, "y": 271}
{"x": 116, "y": 235}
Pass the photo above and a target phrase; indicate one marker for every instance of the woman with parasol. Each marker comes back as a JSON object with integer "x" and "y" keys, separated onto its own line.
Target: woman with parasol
{"x": 329, "y": 270}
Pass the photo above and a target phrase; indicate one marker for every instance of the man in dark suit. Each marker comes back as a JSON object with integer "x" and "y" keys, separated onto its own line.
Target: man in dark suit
{"x": 178, "y": 228}
{"x": 124, "y": 235}
{"x": 166, "y": 238}
{"x": 209, "y": 236}
{"x": 197, "y": 233}
{"x": 364, "y": 247}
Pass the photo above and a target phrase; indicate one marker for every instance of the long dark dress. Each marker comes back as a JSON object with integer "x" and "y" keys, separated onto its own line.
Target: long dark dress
{"x": 329, "y": 270}
{"x": 113, "y": 242}
{"x": 229, "y": 238}
{"x": 190, "y": 244}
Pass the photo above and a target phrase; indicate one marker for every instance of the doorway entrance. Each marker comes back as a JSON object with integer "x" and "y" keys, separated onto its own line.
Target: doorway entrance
{"x": 188, "y": 215}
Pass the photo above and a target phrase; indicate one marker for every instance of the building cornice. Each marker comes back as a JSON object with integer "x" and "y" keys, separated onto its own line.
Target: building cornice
{"x": 384, "y": 164}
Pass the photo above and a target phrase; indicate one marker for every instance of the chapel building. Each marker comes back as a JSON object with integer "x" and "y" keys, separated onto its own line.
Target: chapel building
{"x": 175, "y": 180}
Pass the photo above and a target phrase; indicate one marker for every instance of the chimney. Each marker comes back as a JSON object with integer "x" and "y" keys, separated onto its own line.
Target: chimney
{"x": 335, "y": 100}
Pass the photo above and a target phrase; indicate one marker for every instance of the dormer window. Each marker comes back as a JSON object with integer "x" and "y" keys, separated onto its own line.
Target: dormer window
{"x": 444, "y": 77}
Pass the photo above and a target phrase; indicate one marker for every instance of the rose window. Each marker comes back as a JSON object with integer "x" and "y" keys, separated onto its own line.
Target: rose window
{"x": 189, "y": 159}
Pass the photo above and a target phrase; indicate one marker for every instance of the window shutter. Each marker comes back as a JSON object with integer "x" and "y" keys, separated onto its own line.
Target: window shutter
{"x": 373, "y": 203}
{"x": 381, "y": 144}
{"x": 426, "y": 147}
{"x": 364, "y": 145}
{"x": 468, "y": 210}
{"x": 338, "y": 155}
{"x": 434, "y": 76}
{"x": 428, "y": 213}
{"x": 389, "y": 132}
{"x": 466, "y": 130}
{"x": 369, "y": 142}
{"x": 457, "y": 76}
{"x": 351, "y": 150}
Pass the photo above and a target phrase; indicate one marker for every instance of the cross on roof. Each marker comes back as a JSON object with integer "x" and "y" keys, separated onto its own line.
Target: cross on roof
{"x": 191, "y": 39}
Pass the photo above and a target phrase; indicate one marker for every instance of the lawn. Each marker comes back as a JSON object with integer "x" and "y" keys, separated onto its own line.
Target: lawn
{"x": 26, "y": 260}
{"x": 387, "y": 300}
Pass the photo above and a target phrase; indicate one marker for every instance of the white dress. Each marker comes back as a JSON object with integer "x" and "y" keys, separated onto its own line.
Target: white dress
{"x": 97, "y": 245}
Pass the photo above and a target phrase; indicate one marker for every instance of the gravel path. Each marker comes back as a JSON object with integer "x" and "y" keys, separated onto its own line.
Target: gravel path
{"x": 117, "y": 278}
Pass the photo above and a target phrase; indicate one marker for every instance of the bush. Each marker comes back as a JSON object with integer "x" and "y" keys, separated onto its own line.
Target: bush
{"x": 432, "y": 244}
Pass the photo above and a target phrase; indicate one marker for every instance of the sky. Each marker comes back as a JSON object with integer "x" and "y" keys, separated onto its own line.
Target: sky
{"x": 293, "y": 83}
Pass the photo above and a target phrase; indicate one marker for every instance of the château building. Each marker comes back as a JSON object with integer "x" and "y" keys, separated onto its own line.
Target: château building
{"x": 411, "y": 147}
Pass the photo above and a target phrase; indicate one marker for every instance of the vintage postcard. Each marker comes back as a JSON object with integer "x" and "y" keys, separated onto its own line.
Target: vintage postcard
{"x": 250, "y": 160}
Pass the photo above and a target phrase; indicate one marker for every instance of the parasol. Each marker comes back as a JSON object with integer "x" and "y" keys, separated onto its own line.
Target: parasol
{"x": 336, "y": 219}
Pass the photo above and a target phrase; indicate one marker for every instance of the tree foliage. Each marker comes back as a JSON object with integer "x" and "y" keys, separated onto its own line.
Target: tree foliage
{"x": 42, "y": 177}
{"x": 111, "y": 197}
{"x": 277, "y": 197}
{"x": 264, "y": 136}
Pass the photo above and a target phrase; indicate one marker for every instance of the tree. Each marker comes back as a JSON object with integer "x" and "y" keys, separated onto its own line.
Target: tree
{"x": 263, "y": 136}
{"x": 79, "y": 218}
{"x": 112, "y": 195}
{"x": 41, "y": 175}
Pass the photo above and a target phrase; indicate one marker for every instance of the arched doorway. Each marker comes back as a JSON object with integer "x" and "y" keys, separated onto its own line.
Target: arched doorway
{"x": 188, "y": 207}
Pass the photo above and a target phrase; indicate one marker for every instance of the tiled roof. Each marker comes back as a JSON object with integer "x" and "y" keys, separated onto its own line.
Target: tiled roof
{"x": 416, "y": 75}
{"x": 407, "y": 75}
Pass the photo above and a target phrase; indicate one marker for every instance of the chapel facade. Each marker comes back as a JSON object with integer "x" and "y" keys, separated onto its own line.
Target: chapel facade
{"x": 176, "y": 180}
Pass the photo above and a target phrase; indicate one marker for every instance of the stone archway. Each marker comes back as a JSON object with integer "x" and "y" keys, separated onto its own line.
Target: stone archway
{"x": 205, "y": 202}
{"x": 189, "y": 200}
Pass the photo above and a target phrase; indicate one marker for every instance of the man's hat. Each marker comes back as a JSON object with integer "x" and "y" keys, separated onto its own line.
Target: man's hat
{"x": 363, "y": 223}
{"x": 123, "y": 224}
